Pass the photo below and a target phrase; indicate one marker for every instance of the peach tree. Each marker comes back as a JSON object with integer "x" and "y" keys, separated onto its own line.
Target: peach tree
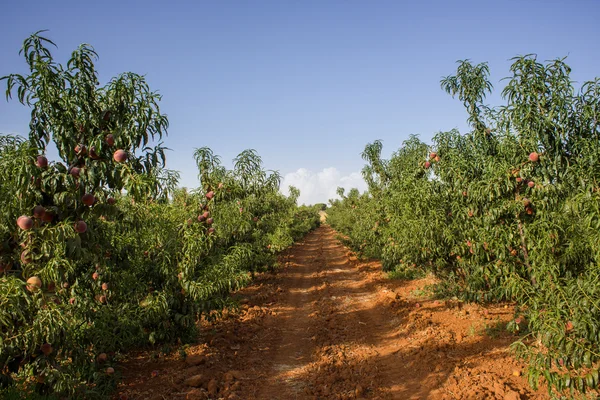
{"x": 63, "y": 219}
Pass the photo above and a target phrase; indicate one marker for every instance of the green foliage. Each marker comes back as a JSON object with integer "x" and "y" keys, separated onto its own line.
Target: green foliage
{"x": 152, "y": 259}
{"x": 321, "y": 206}
{"x": 508, "y": 211}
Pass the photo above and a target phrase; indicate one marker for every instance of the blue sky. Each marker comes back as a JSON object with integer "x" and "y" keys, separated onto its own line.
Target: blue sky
{"x": 305, "y": 83}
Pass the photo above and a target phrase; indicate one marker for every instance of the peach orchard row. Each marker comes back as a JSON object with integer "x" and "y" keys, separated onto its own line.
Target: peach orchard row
{"x": 507, "y": 212}
{"x": 99, "y": 251}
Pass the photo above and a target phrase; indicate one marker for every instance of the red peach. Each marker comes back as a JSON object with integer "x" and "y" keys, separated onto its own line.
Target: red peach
{"x": 110, "y": 140}
{"x": 88, "y": 199}
{"x": 120, "y": 156}
{"x": 41, "y": 162}
{"x": 38, "y": 212}
{"x": 534, "y": 157}
{"x": 80, "y": 226}
{"x": 46, "y": 348}
{"x": 24, "y": 222}
{"x": 34, "y": 283}
{"x": 75, "y": 172}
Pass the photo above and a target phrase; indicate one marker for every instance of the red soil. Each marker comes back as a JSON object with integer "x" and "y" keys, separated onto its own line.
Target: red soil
{"x": 328, "y": 326}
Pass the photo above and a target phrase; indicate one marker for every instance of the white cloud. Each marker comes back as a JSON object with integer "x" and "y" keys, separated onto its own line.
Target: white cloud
{"x": 321, "y": 186}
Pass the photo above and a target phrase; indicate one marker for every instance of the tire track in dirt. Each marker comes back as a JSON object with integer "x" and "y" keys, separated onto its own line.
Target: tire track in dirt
{"x": 327, "y": 326}
{"x": 293, "y": 347}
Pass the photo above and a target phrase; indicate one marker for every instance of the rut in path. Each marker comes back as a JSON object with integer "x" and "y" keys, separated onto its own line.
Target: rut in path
{"x": 328, "y": 326}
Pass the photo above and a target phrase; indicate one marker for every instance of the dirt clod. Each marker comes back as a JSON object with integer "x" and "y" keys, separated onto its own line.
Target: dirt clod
{"x": 512, "y": 395}
{"x": 212, "y": 387}
{"x": 195, "y": 359}
{"x": 195, "y": 381}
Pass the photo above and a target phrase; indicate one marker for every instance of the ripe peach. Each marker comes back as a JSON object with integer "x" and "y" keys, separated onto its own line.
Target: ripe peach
{"x": 110, "y": 370}
{"x": 209, "y": 221}
{"x": 526, "y": 202}
{"x": 102, "y": 358}
{"x": 111, "y": 200}
{"x": 432, "y": 155}
{"x": 120, "y": 156}
{"x": 95, "y": 276}
{"x": 110, "y": 140}
{"x": 531, "y": 184}
{"x": 211, "y": 231}
{"x": 88, "y": 199}
{"x": 34, "y": 283}
{"x": 105, "y": 286}
{"x": 534, "y": 157}
{"x": 72, "y": 300}
{"x": 75, "y": 172}
{"x": 38, "y": 211}
{"x": 41, "y": 162}
{"x": 102, "y": 299}
{"x": 48, "y": 216}
{"x": 210, "y": 195}
{"x": 80, "y": 226}
{"x": 26, "y": 257}
{"x": 46, "y": 348}
{"x": 24, "y": 222}
{"x": 569, "y": 326}
{"x": 80, "y": 149}
{"x": 427, "y": 164}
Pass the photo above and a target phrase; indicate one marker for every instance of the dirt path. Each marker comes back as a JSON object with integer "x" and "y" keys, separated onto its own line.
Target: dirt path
{"x": 330, "y": 327}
